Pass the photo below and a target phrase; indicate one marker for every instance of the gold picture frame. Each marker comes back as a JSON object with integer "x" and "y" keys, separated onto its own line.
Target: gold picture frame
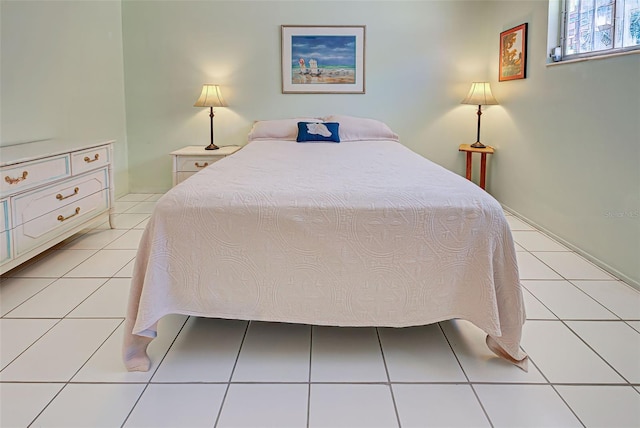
{"x": 513, "y": 53}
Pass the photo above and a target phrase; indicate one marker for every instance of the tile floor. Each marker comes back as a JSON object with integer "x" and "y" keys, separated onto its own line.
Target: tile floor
{"x": 61, "y": 331}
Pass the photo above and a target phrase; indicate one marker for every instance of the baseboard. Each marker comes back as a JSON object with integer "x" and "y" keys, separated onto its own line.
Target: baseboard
{"x": 633, "y": 283}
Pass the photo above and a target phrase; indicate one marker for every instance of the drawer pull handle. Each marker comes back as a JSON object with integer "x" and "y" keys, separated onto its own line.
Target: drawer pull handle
{"x": 206, "y": 164}
{"x": 60, "y": 197}
{"x": 16, "y": 180}
{"x": 63, "y": 218}
{"x": 87, "y": 159}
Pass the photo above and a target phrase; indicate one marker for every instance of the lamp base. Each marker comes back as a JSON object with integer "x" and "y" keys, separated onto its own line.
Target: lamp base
{"x": 478, "y": 145}
{"x": 211, "y": 147}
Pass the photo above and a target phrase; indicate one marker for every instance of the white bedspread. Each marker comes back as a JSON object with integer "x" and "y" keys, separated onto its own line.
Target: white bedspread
{"x": 361, "y": 233}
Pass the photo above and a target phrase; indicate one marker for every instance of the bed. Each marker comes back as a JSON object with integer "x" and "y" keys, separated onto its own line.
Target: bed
{"x": 360, "y": 232}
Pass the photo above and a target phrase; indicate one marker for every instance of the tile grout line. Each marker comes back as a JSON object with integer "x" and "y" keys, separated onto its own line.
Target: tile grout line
{"x": 309, "y": 376}
{"x": 567, "y": 250}
{"x": 553, "y": 386}
{"x": 567, "y": 404}
{"x": 106, "y": 279}
{"x": 87, "y": 298}
{"x": 65, "y": 384}
{"x": 31, "y": 297}
{"x": 544, "y": 376}
{"x": 146, "y": 385}
{"x": 148, "y": 382}
{"x": 77, "y": 238}
{"x": 95, "y": 351}
{"x": 570, "y": 281}
{"x": 475, "y": 393}
{"x": 539, "y": 301}
{"x": 32, "y": 343}
{"x": 595, "y": 352}
{"x": 563, "y": 321}
{"x": 576, "y": 250}
{"x": 233, "y": 369}
{"x": 68, "y": 381}
{"x": 558, "y": 318}
{"x": 611, "y": 276}
{"x": 442, "y": 383}
{"x": 386, "y": 369}
{"x": 49, "y": 253}
{"x": 55, "y": 396}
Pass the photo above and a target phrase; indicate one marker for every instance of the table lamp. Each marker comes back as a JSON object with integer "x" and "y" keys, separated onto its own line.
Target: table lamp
{"x": 479, "y": 95}
{"x": 211, "y": 97}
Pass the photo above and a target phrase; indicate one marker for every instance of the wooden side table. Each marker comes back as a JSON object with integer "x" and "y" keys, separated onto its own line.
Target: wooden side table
{"x": 483, "y": 160}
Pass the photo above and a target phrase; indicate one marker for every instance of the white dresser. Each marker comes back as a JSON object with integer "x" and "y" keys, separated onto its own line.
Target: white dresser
{"x": 50, "y": 190}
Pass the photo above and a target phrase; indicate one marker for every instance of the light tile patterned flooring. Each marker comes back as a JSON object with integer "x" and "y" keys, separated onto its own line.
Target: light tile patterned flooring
{"x": 61, "y": 331}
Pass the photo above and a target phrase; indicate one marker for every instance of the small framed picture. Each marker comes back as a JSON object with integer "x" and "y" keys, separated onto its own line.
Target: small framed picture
{"x": 323, "y": 59}
{"x": 513, "y": 53}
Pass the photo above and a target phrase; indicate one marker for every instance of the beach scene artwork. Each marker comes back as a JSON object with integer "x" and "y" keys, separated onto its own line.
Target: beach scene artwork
{"x": 323, "y": 59}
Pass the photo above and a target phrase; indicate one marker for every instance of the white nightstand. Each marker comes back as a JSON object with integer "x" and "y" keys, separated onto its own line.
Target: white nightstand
{"x": 191, "y": 159}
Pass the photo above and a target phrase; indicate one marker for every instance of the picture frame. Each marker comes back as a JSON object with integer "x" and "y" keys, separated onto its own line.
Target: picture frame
{"x": 327, "y": 59}
{"x": 513, "y": 53}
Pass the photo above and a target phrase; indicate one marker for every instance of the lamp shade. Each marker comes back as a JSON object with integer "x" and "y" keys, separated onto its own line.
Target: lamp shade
{"x": 480, "y": 94}
{"x": 211, "y": 96}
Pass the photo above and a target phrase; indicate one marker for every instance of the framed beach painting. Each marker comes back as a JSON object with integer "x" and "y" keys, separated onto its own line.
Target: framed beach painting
{"x": 513, "y": 53}
{"x": 323, "y": 59}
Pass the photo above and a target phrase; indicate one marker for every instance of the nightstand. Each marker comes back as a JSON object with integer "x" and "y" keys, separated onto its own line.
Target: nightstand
{"x": 483, "y": 160}
{"x": 191, "y": 159}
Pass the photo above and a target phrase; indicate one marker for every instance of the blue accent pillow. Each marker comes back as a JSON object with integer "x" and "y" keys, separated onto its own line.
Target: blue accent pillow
{"x": 318, "y": 131}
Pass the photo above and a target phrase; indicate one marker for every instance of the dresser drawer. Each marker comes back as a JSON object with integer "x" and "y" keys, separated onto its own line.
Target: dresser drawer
{"x": 87, "y": 160}
{"x": 195, "y": 163}
{"x": 48, "y": 192}
{"x": 5, "y": 246}
{"x": 5, "y": 218}
{"x": 181, "y": 176}
{"x": 24, "y": 176}
{"x": 31, "y": 205}
{"x": 49, "y": 225}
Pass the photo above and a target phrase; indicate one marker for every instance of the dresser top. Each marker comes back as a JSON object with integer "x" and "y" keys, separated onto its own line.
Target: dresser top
{"x": 25, "y": 152}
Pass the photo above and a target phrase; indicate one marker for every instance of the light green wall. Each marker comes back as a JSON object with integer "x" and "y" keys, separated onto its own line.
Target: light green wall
{"x": 418, "y": 69}
{"x": 62, "y": 75}
{"x": 568, "y": 144}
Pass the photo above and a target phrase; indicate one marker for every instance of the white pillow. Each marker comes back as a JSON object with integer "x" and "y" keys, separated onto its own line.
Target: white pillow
{"x": 280, "y": 129}
{"x": 358, "y": 128}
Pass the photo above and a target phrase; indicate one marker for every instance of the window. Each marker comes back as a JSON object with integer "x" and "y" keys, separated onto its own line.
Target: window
{"x": 596, "y": 27}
